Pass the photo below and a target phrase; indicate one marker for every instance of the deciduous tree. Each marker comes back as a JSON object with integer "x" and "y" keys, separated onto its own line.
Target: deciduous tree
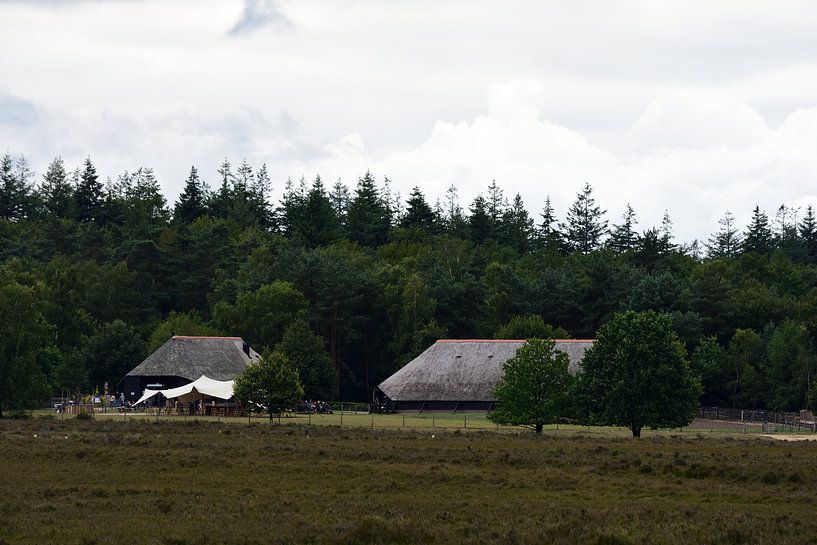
{"x": 636, "y": 375}
{"x": 535, "y": 387}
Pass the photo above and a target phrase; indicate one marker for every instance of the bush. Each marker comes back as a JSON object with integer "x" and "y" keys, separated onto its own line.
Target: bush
{"x": 20, "y": 414}
{"x": 85, "y": 415}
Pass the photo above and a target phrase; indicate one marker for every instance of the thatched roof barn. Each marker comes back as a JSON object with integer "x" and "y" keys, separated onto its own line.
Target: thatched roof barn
{"x": 183, "y": 359}
{"x": 460, "y": 374}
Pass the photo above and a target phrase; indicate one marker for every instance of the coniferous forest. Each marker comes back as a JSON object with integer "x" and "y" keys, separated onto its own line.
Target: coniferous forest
{"x": 352, "y": 282}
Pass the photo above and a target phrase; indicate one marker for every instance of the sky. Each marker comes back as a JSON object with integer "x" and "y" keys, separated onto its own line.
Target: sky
{"x": 694, "y": 107}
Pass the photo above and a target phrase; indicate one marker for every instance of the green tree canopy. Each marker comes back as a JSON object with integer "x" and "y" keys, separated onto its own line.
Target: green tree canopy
{"x": 23, "y": 335}
{"x": 262, "y": 316}
{"x": 636, "y": 375}
{"x": 529, "y": 326}
{"x": 535, "y": 387}
{"x": 269, "y": 385}
{"x": 178, "y": 323}
{"x": 307, "y": 352}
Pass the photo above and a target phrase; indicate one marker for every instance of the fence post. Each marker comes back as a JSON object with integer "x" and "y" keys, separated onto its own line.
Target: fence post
{"x": 404, "y": 421}
{"x": 341, "y": 419}
{"x": 433, "y": 422}
{"x": 373, "y": 420}
{"x": 465, "y": 421}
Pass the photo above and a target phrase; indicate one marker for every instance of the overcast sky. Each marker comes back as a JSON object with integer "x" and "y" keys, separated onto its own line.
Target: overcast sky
{"x": 694, "y": 107}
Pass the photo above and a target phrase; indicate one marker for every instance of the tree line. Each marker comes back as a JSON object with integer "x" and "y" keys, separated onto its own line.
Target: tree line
{"x": 97, "y": 273}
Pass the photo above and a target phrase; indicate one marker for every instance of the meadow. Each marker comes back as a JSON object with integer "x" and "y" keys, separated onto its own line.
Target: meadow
{"x": 200, "y": 482}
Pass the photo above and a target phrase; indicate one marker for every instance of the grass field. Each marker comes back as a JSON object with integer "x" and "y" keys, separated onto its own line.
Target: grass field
{"x": 198, "y": 482}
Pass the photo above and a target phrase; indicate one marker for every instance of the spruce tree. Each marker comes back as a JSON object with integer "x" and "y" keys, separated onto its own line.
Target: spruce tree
{"x": 807, "y": 230}
{"x": 419, "y": 214}
{"x": 517, "y": 226}
{"x": 727, "y": 241}
{"x": 550, "y": 238}
{"x": 496, "y": 205}
{"x": 56, "y": 192}
{"x": 221, "y": 200}
{"x": 244, "y": 178}
{"x": 339, "y": 198}
{"x": 88, "y": 195}
{"x": 667, "y": 244}
{"x": 318, "y": 225}
{"x": 758, "y": 237}
{"x": 585, "y": 225}
{"x": 479, "y": 222}
{"x": 15, "y": 193}
{"x": 291, "y": 211}
{"x": 259, "y": 192}
{"x": 368, "y": 215}
{"x": 624, "y": 237}
{"x": 191, "y": 203}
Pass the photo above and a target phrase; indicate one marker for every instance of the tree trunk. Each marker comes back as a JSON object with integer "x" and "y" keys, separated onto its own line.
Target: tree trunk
{"x": 636, "y": 431}
{"x": 539, "y": 428}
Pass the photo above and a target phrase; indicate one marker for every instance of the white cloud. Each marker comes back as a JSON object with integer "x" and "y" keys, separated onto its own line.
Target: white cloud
{"x": 696, "y": 108}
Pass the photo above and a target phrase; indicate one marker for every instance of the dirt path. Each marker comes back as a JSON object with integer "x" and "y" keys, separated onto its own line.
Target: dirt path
{"x": 790, "y": 437}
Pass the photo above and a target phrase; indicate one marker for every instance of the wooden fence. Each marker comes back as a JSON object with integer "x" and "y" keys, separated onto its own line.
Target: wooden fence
{"x": 771, "y": 420}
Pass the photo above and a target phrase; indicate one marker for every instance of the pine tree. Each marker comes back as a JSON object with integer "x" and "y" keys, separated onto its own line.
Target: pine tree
{"x": 145, "y": 204}
{"x": 584, "y": 227}
{"x": 808, "y": 233}
{"x": 550, "y": 238}
{"x": 191, "y": 203}
{"x": 758, "y": 237}
{"x": 785, "y": 229}
{"x": 419, "y": 214}
{"x": 517, "y": 226}
{"x": 624, "y": 237}
{"x": 368, "y": 215}
{"x": 455, "y": 222}
{"x": 56, "y": 192}
{"x": 88, "y": 194}
{"x": 726, "y": 242}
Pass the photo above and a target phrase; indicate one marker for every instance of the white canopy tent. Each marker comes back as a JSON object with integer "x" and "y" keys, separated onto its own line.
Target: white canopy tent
{"x": 202, "y": 387}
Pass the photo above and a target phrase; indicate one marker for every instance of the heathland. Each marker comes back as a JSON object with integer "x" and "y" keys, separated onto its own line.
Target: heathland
{"x": 139, "y": 481}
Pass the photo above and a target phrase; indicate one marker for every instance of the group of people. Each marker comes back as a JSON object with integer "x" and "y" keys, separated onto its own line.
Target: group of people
{"x": 317, "y": 407}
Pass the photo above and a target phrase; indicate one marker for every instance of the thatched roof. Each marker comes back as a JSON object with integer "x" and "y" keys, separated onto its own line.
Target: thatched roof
{"x": 220, "y": 358}
{"x": 463, "y": 370}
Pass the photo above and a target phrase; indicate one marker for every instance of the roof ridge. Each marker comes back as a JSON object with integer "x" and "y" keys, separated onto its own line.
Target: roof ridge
{"x": 480, "y": 340}
{"x": 511, "y": 340}
{"x": 207, "y": 337}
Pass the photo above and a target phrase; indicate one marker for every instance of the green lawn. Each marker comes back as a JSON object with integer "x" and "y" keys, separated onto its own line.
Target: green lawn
{"x": 138, "y": 481}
